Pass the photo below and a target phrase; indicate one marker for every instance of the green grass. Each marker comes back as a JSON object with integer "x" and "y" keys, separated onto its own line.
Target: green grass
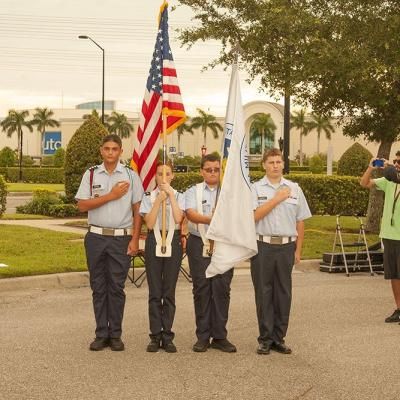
{"x": 320, "y": 234}
{"x": 23, "y": 216}
{"x": 32, "y": 251}
{"x": 30, "y": 187}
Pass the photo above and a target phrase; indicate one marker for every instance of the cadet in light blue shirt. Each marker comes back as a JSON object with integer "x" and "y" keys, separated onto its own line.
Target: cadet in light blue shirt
{"x": 279, "y": 210}
{"x": 111, "y": 194}
{"x": 211, "y": 295}
{"x": 162, "y": 271}
{"x": 114, "y": 214}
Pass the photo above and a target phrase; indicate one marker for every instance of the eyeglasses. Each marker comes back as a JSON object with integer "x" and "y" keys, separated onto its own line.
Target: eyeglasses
{"x": 396, "y": 161}
{"x": 211, "y": 170}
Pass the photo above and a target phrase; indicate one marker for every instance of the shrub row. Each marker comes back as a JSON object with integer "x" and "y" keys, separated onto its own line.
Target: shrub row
{"x": 34, "y": 175}
{"x": 3, "y": 195}
{"x": 325, "y": 194}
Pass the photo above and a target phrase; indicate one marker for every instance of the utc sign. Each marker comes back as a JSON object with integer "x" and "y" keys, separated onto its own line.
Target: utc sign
{"x": 51, "y": 142}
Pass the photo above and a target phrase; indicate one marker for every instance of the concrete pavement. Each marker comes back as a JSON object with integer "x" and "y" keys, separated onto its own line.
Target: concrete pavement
{"x": 342, "y": 348}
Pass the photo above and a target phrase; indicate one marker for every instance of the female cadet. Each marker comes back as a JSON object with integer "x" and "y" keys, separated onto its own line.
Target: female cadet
{"x": 162, "y": 271}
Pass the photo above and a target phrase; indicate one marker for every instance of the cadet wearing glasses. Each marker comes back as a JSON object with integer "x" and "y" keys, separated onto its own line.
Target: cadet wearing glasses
{"x": 211, "y": 295}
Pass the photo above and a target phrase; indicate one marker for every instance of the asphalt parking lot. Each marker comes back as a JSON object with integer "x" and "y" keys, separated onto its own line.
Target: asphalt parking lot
{"x": 342, "y": 349}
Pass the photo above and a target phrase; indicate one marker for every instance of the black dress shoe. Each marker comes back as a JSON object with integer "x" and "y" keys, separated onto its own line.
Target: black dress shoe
{"x": 153, "y": 346}
{"x": 223, "y": 345}
{"x": 201, "y": 346}
{"x": 281, "y": 348}
{"x": 395, "y": 317}
{"x": 117, "y": 344}
{"x": 263, "y": 348}
{"x": 169, "y": 347}
{"x": 99, "y": 344}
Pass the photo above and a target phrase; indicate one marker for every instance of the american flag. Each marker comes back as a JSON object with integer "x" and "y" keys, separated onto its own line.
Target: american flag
{"x": 162, "y": 96}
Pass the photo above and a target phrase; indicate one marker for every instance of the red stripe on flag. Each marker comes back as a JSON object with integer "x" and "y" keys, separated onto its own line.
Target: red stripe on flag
{"x": 169, "y": 71}
{"x": 171, "y": 89}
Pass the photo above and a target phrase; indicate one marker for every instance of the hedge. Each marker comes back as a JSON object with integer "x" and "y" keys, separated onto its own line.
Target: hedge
{"x": 34, "y": 174}
{"x": 3, "y": 195}
{"x": 325, "y": 194}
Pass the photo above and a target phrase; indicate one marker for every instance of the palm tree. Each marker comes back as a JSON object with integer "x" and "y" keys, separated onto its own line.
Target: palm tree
{"x": 298, "y": 121}
{"x": 322, "y": 124}
{"x": 42, "y": 119}
{"x": 118, "y": 124}
{"x": 206, "y": 121}
{"x": 185, "y": 127}
{"x": 14, "y": 122}
{"x": 263, "y": 124}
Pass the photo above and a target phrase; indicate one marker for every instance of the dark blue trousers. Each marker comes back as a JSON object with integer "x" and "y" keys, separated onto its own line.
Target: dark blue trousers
{"x": 108, "y": 266}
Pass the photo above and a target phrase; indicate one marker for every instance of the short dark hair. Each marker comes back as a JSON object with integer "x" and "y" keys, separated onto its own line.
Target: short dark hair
{"x": 398, "y": 153}
{"x": 112, "y": 138}
{"x": 209, "y": 157}
{"x": 271, "y": 153}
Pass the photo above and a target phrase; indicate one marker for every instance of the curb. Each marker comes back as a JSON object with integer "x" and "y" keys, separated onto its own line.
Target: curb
{"x": 69, "y": 280}
{"x": 42, "y": 282}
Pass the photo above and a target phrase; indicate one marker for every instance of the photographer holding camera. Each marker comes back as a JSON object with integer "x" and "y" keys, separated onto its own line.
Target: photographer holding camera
{"x": 390, "y": 224}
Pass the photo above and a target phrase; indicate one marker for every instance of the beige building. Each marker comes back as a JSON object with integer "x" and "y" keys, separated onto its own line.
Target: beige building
{"x": 71, "y": 119}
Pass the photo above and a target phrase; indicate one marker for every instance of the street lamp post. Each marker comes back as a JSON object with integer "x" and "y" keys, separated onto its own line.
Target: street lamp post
{"x": 102, "y": 92}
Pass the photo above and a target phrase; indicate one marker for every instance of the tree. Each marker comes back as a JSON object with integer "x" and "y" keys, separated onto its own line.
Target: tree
{"x": 7, "y": 157}
{"x": 96, "y": 114}
{"x": 264, "y": 125}
{"x": 185, "y": 127}
{"x": 42, "y": 119}
{"x": 59, "y": 157}
{"x": 336, "y": 56}
{"x": 298, "y": 121}
{"x": 206, "y": 122}
{"x": 357, "y": 75}
{"x": 15, "y": 122}
{"x": 321, "y": 123}
{"x": 118, "y": 123}
{"x": 83, "y": 151}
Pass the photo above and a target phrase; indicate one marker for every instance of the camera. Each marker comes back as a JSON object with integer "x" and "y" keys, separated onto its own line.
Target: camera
{"x": 378, "y": 163}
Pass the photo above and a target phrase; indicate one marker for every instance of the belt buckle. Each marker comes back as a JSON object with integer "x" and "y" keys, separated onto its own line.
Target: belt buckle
{"x": 276, "y": 240}
{"x": 108, "y": 231}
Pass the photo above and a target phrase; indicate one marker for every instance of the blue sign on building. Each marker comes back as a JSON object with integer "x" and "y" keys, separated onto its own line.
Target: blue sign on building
{"x": 52, "y": 141}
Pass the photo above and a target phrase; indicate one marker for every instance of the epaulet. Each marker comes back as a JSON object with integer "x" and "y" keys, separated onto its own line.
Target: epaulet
{"x": 128, "y": 167}
{"x": 93, "y": 167}
{"x": 147, "y": 193}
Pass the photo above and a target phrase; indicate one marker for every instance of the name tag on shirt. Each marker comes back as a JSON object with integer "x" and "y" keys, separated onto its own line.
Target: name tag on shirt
{"x": 97, "y": 189}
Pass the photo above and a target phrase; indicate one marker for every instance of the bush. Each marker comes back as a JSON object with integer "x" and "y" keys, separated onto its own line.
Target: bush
{"x": 34, "y": 174}
{"x": 325, "y": 194}
{"x": 316, "y": 164}
{"x": 59, "y": 157}
{"x": 3, "y": 195}
{"x": 82, "y": 153}
{"x": 354, "y": 161}
{"x": 40, "y": 203}
{"x": 7, "y": 157}
{"x": 47, "y": 202}
{"x": 27, "y": 161}
{"x": 63, "y": 210}
{"x": 47, "y": 161}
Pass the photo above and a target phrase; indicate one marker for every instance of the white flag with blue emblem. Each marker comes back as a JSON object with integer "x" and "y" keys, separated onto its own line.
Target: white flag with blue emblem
{"x": 232, "y": 227}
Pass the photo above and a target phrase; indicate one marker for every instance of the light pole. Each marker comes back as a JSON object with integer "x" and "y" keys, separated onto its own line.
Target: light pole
{"x": 102, "y": 92}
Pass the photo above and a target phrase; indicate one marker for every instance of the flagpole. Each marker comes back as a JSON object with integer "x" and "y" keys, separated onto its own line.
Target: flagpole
{"x": 164, "y": 203}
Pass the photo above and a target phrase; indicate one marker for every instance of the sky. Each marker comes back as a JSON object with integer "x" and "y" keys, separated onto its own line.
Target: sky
{"x": 44, "y": 64}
